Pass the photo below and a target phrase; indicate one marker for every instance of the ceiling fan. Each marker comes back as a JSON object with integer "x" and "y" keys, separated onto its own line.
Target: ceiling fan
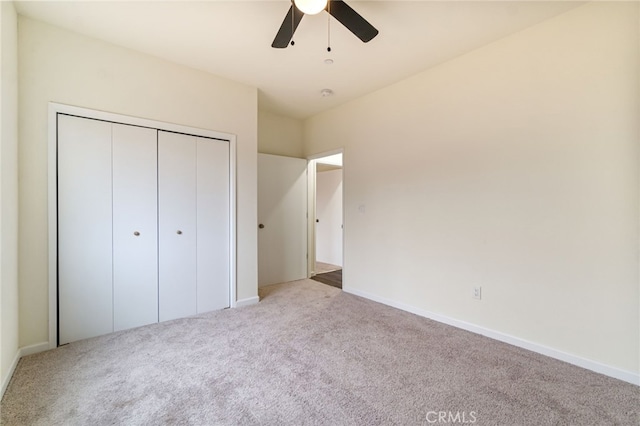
{"x": 336, "y": 8}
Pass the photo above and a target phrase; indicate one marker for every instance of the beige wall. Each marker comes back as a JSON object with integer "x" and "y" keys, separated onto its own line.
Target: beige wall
{"x": 61, "y": 66}
{"x": 329, "y": 215}
{"x": 514, "y": 167}
{"x": 279, "y": 135}
{"x": 8, "y": 190}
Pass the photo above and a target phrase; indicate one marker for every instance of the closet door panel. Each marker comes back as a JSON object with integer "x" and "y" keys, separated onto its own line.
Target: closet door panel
{"x": 84, "y": 229}
{"x": 213, "y": 232}
{"x": 135, "y": 226}
{"x": 177, "y": 225}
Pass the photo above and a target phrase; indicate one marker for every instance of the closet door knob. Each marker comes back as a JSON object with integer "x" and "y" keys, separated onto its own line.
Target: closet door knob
{"x": 136, "y": 233}
{"x": 179, "y": 232}
{"x": 261, "y": 226}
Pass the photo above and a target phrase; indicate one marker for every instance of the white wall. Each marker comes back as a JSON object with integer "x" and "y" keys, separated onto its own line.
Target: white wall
{"x": 61, "y": 66}
{"x": 8, "y": 192}
{"x": 329, "y": 215}
{"x": 514, "y": 167}
{"x": 279, "y": 135}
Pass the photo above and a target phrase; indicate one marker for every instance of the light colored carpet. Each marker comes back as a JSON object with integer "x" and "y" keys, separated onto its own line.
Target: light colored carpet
{"x": 307, "y": 354}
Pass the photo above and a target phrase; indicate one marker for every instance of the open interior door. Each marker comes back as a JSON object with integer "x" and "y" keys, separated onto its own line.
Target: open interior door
{"x": 282, "y": 219}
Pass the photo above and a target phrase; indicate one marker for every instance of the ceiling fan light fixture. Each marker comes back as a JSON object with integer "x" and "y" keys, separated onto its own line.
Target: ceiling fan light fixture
{"x": 311, "y": 7}
{"x": 338, "y": 9}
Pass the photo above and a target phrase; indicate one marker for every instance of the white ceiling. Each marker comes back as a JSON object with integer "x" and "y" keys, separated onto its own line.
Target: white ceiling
{"x": 232, "y": 39}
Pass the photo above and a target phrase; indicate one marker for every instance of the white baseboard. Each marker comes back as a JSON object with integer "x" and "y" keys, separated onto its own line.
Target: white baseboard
{"x": 6, "y": 379}
{"x": 34, "y": 349}
{"x": 607, "y": 370}
{"x": 246, "y": 302}
{"x": 27, "y": 350}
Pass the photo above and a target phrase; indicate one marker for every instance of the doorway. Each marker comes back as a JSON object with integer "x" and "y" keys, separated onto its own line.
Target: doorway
{"x": 327, "y": 219}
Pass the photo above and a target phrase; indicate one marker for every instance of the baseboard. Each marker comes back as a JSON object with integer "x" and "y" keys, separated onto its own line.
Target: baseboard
{"x": 27, "y": 350}
{"x": 246, "y": 302}
{"x": 7, "y": 378}
{"x": 34, "y": 349}
{"x": 595, "y": 366}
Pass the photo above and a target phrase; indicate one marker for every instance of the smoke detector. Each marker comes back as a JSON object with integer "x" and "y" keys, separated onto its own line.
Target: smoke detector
{"x": 326, "y": 92}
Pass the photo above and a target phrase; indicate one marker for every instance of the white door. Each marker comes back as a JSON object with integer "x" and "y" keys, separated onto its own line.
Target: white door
{"x": 85, "y": 291}
{"x": 282, "y": 217}
{"x": 176, "y": 225}
{"x": 214, "y": 232}
{"x": 194, "y": 225}
{"x": 144, "y": 226}
{"x": 135, "y": 226}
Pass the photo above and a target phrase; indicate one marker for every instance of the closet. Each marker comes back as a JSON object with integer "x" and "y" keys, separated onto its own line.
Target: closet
{"x": 143, "y": 226}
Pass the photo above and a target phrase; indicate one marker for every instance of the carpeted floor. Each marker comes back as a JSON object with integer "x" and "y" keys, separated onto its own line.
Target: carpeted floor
{"x": 308, "y": 354}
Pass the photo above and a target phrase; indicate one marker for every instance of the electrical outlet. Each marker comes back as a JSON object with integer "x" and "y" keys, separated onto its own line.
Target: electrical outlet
{"x": 477, "y": 292}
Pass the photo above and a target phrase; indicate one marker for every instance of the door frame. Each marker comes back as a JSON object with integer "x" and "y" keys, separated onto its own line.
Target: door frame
{"x": 311, "y": 208}
{"x": 57, "y": 108}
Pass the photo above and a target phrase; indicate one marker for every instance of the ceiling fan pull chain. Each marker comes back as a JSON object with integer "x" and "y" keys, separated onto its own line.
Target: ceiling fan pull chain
{"x": 293, "y": 22}
{"x": 329, "y": 27}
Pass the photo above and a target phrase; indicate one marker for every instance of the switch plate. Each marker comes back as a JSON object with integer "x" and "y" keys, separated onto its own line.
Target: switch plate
{"x": 477, "y": 292}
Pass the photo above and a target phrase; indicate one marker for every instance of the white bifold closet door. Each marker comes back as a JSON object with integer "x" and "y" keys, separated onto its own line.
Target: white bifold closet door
{"x": 135, "y": 227}
{"x": 143, "y": 226}
{"x": 177, "y": 225}
{"x": 213, "y": 207}
{"x": 85, "y": 267}
{"x": 193, "y": 214}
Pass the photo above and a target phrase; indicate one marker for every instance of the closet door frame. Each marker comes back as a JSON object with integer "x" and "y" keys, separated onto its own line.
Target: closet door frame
{"x": 54, "y": 110}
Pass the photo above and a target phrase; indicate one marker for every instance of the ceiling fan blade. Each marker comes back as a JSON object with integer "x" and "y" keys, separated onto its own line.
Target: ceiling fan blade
{"x": 352, "y": 20}
{"x": 288, "y": 27}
